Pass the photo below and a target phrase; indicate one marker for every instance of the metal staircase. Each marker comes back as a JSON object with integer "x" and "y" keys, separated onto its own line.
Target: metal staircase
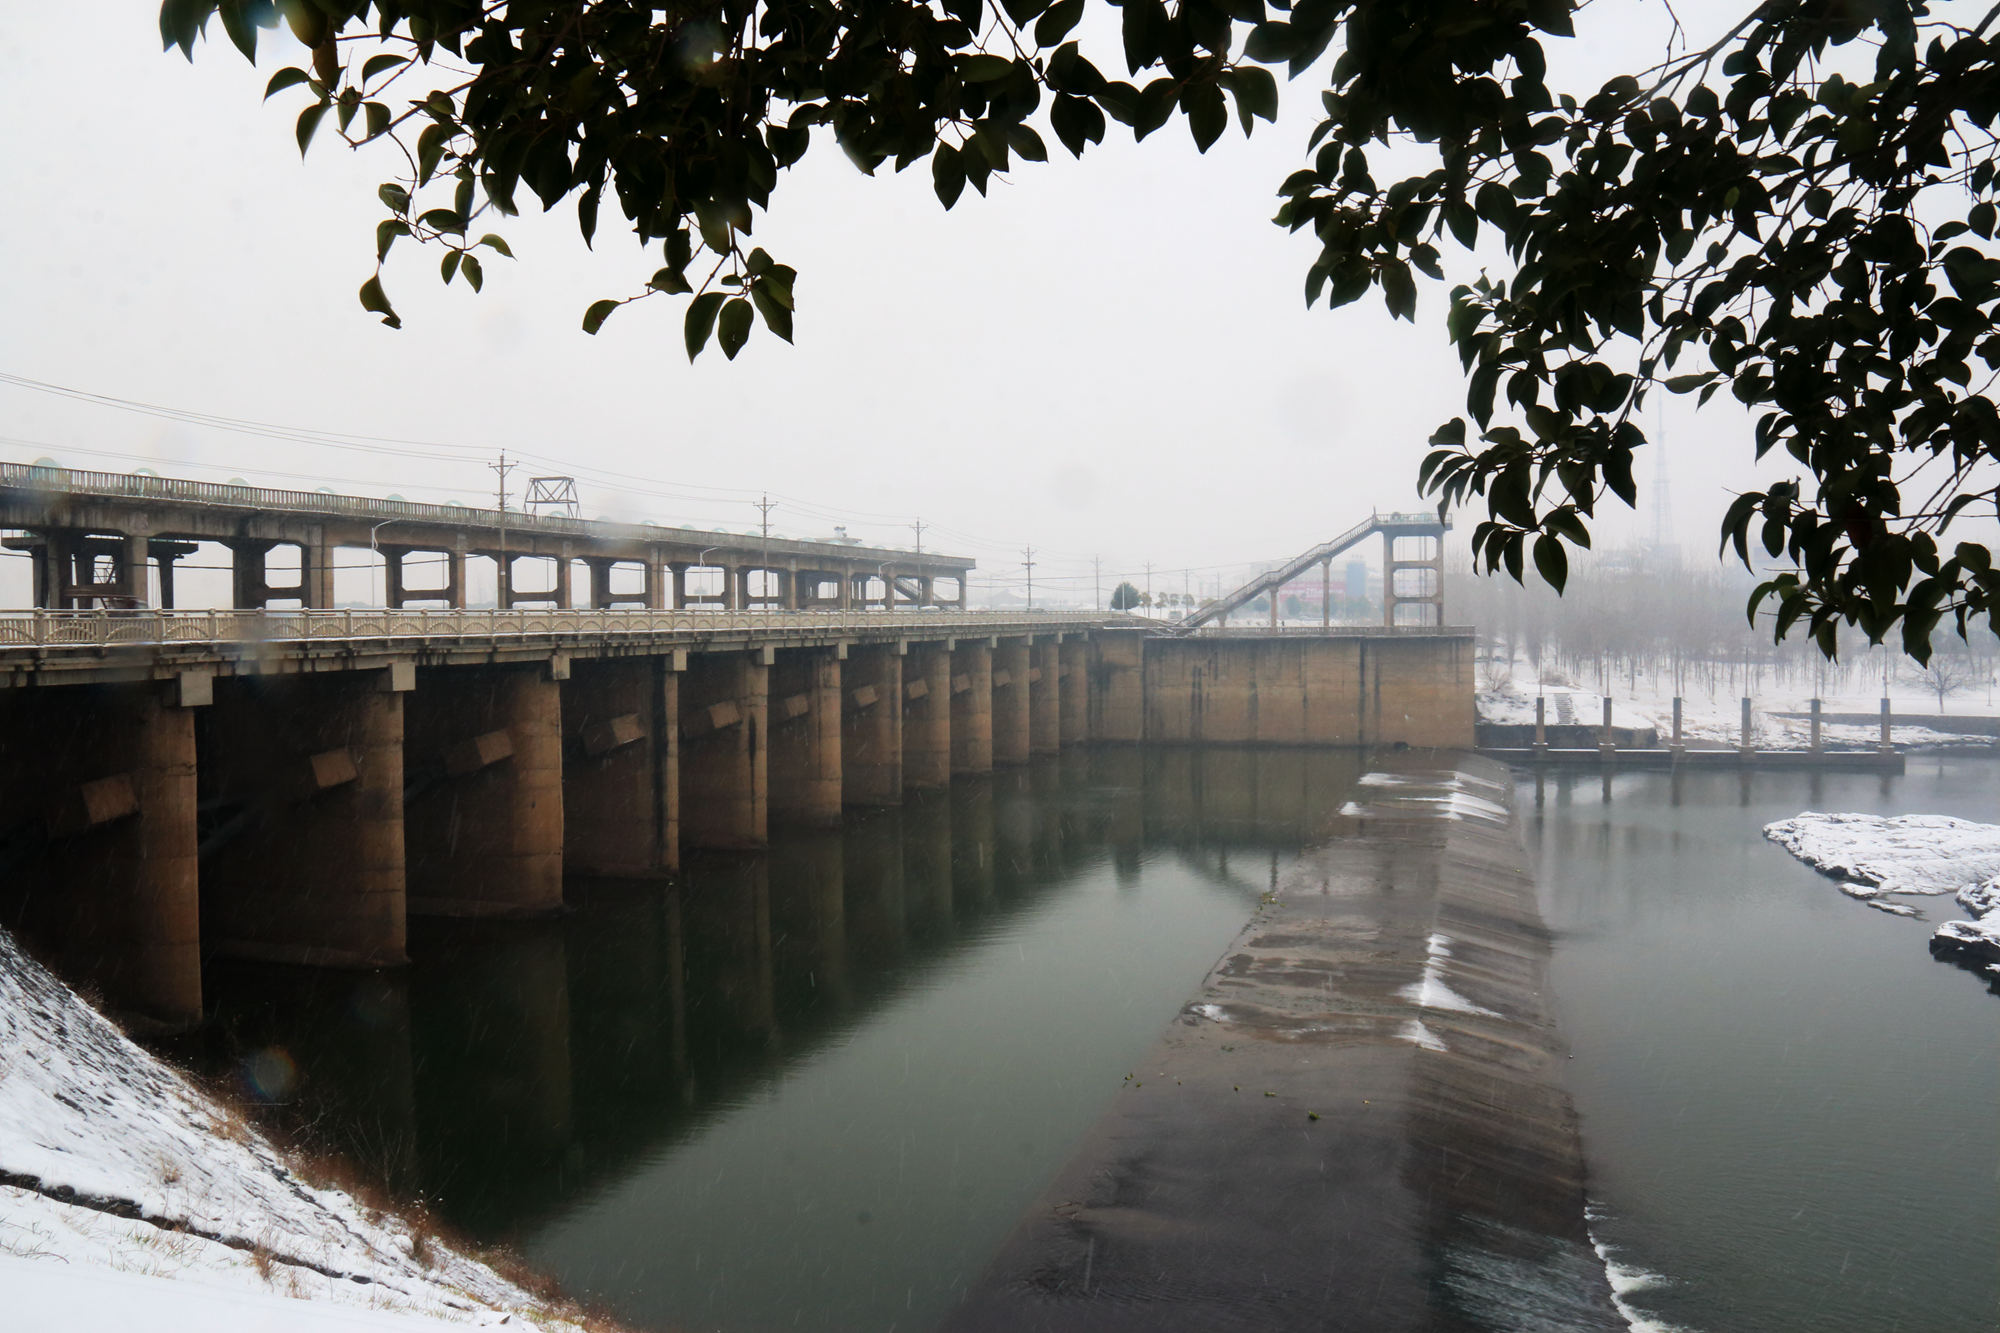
{"x": 1391, "y": 526}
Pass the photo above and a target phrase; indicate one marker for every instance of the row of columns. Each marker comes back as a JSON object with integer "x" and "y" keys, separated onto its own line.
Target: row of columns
{"x": 80, "y": 570}
{"x": 303, "y": 818}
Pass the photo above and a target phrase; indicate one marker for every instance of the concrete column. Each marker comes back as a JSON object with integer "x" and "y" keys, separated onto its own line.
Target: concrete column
{"x": 455, "y": 579}
{"x": 1326, "y": 593}
{"x": 871, "y": 725}
{"x": 246, "y": 573}
{"x": 1012, "y": 728}
{"x": 1045, "y": 696}
{"x": 926, "y": 717}
{"x": 725, "y": 700}
{"x": 1815, "y": 727}
{"x": 565, "y": 575}
{"x": 846, "y": 589}
{"x": 805, "y": 745}
{"x": 732, "y": 588}
{"x": 1677, "y": 720}
{"x": 135, "y": 571}
{"x": 482, "y": 758}
{"x": 1604, "y": 739}
{"x": 1074, "y": 658}
{"x": 680, "y": 573}
{"x": 392, "y": 576}
{"x": 1882, "y": 743}
{"x": 316, "y": 571}
{"x": 1117, "y": 687}
{"x": 790, "y": 580}
{"x": 1745, "y": 746}
{"x": 972, "y": 707}
{"x": 621, "y": 767}
{"x": 1542, "y": 721}
{"x": 657, "y": 585}
{"x": 166, "y": 559}
{"x": 97, "y": 799}
{"x": 304, "y": 859}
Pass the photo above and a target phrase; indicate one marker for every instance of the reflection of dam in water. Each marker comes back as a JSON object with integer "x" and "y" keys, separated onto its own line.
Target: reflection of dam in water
{"x": 527, "y": 1076}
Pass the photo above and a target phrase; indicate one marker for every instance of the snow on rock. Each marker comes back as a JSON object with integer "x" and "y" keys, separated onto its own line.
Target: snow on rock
{"x": 1874, "y": 856}
{"x": 109, "y": 1158}
{"x": 1880, "y": 855}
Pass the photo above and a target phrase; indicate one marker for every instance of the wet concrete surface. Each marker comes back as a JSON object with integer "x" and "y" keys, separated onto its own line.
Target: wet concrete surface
{"x": 1358, "y": 1122}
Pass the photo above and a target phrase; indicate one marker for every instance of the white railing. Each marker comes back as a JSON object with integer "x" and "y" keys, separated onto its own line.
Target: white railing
{"x": 101, "y": 629}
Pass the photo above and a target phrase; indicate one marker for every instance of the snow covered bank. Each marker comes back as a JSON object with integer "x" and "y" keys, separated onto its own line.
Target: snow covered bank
{"x": 1880, "y": 857}
{"x": 112, "y": 1163}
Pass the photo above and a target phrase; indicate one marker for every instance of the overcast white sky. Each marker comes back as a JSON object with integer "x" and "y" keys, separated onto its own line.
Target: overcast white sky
{"x": 1110, "y": 357}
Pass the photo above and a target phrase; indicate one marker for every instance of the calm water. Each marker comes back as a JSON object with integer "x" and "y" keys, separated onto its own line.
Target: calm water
{"x": 813, "y": 1088}
{"x": 1790, "y": 1110}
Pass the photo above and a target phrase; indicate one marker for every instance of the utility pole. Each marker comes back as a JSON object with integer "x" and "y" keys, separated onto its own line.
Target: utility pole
{"x": 765, "y": 504}
{"x": 919, "y": 526}
{"x": 1028, "y": 563}
{"x": 503, "y": 586}
{"x": 1097, "y": 579}
{"x": 1149, "y": 587}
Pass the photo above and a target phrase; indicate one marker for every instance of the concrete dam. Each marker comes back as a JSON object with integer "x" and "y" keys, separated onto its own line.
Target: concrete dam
{"x": 290, "y": 785}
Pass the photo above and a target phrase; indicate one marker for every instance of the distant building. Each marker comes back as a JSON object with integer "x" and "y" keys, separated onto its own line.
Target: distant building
{"x": 1356, "y": 589}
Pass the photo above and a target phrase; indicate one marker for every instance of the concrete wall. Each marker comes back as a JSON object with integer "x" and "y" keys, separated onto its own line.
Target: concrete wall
{"x": 1012, "y": 729}
{"x": 926, "y": 718}
{"x": 97, "y": 786}
{"x": 805, "y": 744}
{"x": 725, "y": 722}
{"x": 304, "y": 776}
{"x": 483, "y": 807}
{"x": 621, "y": 767}
{"x": 1117, "y": 687}
{"x": 1310, "y": 691}
{"x": 871, "y": 725}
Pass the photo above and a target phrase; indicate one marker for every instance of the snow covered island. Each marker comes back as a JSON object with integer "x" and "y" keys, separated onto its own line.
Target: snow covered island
{"x": 129, "y": 1199}
{"x": 1879, "y": 858}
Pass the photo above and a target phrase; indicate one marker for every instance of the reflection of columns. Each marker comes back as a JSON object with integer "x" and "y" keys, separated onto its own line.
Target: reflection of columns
{"x": 877, "y": 909}
{"x": 312, "y": 766}
{"x": 972, "y": 707}
{"x": 805, "y": 744}
{"x": 972, "y": 845}
{"x": 871, "y": 725}
{"x": 1045, "y": 696}
{"x": 1011, "y": 725}
{"x": 483, "y": 767}
{"x": 927, "y": 859}
{"x": 107, "y": 774}
{"x": 1075, "y": 701}
{"x": 621, "y": 767}
{"x": 724, "y": 749}
{"x": 491, "y": 1029}
{"x": 927, "y": 717}
{"x": 809, "y": 919}
{"x": 727, "y": 905}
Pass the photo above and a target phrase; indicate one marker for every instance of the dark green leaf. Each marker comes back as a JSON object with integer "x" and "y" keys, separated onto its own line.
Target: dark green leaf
{"x": 380, "y": 63}
{"x": 732, "y": 326}
{"x": 287, "y": 77}
{"x": 374, "y": 301}
{"x": 593, "y": 318}
{"x": 700, "y": 321}
{"x": 308, "y": 122}
{"x": 495, "y": 244}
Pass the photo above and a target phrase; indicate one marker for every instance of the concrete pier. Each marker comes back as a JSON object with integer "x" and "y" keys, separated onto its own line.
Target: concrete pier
{"x": 927, "y": 717}
{"x": 1012, "y": 720}
{"x": 1074, "y": 660}
{"x": 99, "y": 786}
{"x": 1117, "y": 687}
{"x": 1045, "y": 696}
{"x": 1311, "y": 1145}
{"x": 483, "y": 809}
{"x": 621, "y": 767}
{"x": 805, "y": 744}
{"x": 304, "y": 772}
{"x": 725, "y": 722}
{"x": 871, "y": 725}
{"x": 972, "y": 707}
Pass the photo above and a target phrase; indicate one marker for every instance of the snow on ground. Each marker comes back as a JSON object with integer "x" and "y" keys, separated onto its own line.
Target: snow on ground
{"x": 1877, "y": 857}
{"x": 112, "y": 1165}
{"x": 1717, "y": 719}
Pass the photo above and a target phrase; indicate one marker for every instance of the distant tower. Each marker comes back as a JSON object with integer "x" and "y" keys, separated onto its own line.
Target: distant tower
{"x": 1665, "y": 550}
